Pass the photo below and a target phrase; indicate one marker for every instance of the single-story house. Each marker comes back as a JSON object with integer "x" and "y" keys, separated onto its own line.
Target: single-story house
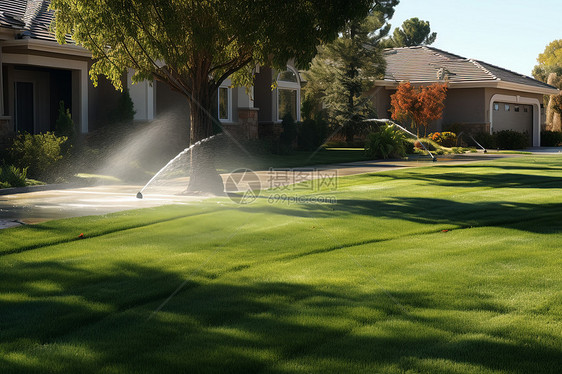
{"x": 37, "y": 73}
{"x": 480, "y": 98}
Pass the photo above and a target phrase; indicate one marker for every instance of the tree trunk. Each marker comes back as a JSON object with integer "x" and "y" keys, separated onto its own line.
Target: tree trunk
{"x": 553, "y": 119}
{"x": 204, "y": 176}
{"x": 349, "y": 133}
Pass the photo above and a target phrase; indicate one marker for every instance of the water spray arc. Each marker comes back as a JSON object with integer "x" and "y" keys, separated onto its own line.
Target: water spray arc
{"x": 172, "y": 161}
{"x": 387, "y": 121}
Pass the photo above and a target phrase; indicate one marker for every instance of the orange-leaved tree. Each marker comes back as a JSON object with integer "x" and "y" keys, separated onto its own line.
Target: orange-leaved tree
{"x": 418, "y": 105}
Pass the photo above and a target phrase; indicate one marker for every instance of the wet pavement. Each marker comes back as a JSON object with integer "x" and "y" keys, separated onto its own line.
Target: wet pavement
{"x": 37, "y": 204}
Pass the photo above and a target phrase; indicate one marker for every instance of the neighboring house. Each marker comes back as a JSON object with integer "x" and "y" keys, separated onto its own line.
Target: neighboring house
{"x": 480, "y": 97}
{"x": 247, "y": 114}
{"x": 37, "y": 72}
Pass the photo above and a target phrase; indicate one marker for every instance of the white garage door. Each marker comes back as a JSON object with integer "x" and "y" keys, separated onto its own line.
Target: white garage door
{"x": 507, "y": 116}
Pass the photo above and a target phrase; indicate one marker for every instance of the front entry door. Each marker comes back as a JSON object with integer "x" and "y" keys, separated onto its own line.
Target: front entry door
{"x": 25, "y": 120}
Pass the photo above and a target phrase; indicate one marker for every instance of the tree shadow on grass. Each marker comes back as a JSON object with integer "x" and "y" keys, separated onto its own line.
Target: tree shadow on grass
{"x": 64, "y": 318}
{"x": 491, "y": 180}
{"x": 537, "y": 218}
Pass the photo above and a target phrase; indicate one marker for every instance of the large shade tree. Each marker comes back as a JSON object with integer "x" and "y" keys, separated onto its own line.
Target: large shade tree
{"x": 344, "y": 70}
{"x": 195, "y": 45}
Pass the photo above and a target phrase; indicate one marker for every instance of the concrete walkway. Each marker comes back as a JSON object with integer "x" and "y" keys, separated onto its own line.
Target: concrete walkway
{"x": 33, "y": 205}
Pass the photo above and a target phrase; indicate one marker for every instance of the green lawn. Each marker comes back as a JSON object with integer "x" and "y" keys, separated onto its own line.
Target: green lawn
{"x": 442, "y": 269}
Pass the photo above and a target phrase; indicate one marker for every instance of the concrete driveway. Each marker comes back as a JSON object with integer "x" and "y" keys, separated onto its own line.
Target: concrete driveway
{"x": 32, "y": 205}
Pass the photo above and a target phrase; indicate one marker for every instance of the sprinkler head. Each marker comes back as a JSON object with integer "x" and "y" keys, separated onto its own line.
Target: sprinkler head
{"x": 139, "y": 195}
{"x": 434, "y": 159}
{"x": 485, "y": 151}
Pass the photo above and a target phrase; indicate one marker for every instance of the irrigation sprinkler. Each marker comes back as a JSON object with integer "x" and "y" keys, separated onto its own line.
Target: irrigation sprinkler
{"x": 387, "y": 121}
{"x": 478, "y": 144}
{"x": 474, "y": 140}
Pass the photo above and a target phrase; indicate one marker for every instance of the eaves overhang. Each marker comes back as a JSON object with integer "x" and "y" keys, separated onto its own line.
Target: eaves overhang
{"x": 45, "y": 46}
{"x": 391, "y": 85}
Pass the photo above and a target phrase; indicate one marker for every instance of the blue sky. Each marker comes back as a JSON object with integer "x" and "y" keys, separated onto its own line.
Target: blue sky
{"x": 506, "y": 33}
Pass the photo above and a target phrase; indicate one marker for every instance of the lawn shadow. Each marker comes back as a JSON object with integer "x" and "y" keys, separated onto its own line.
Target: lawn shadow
{"x": 538, "y": 218}
{"x": 69, "y": 319}
{"x": 491, "y": 180}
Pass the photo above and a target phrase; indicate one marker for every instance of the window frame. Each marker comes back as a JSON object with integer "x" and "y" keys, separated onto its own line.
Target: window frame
{"x": 289, "y": 86}
{"x": 229, "y": 103}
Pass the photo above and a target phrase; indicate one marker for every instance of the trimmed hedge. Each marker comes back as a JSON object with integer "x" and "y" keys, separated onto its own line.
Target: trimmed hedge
{"x": 551, "y": 138}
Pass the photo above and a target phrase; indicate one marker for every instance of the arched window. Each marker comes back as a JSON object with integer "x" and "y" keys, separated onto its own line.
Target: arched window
{"x": 288, "y": 94}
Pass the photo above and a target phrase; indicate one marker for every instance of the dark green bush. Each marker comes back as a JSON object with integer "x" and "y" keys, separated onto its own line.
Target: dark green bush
{"x": 551, "y": 138}
{"x": 509, "y": 139}
{"x": 64, "y": 125}
{"x": 485, "y": 139}
{"x": 287, "y": 139}
{"x": 312, "y": 134}
{"x": 388, "y": 142}
{"x": 38, "y": 153}
{"x": 11, "y": 176}
{"x": 125, "y": 110}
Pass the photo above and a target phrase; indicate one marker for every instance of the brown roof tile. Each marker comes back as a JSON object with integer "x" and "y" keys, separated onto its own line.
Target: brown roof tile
{"x": 425, "y": 64}
{"x": 32, "y": 17}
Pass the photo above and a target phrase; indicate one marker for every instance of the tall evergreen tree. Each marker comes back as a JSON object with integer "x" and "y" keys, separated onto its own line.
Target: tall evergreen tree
{"x": 413, "y": 32}
{"x": 345, "y": 69}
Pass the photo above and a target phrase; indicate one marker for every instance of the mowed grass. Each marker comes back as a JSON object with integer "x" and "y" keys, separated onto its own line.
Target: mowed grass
{"x": 442, "y": 269}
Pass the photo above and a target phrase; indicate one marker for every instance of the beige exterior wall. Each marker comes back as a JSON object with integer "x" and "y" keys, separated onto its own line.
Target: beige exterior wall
{"x": 381, "y": 100}
{"x": 465, "y": 105}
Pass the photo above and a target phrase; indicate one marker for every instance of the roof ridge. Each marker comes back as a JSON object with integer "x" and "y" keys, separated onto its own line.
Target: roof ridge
{"x": 477, "y": 64}
{"x": 443, "y": 53}
{"x": 514, "y": 72}
{"x": 33, "y": 10}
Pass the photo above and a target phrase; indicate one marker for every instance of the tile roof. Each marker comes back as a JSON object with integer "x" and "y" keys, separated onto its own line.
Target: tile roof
{"x": 428, "y": 64}
{"x": 31, "y": 17}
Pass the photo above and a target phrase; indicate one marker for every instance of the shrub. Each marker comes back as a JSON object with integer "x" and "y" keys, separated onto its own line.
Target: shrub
{"x": 551, "y": 138}
{"x": 458, "y": 150}
{"x": 388, "y": 142}
{"x": 125, "y": 110}
{"x": 429, "y": 144}
{"x": 287, "y": 139}
{"x": 410, "y": 145}
{"x": 38, "y": 153}
{"x": 64, "y": 125}
{"x": 509, "y": 139}
{"x": 446, "y": 138}
{"x": 486, "y": 140}
{"x": 11, "y": 176}
{"x": 312, "y": 134}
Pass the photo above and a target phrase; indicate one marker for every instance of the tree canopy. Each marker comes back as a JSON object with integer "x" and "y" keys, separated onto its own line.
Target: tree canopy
{"x": 413, "y": 32}
{"x": 345, "y": 69}
{"x": 195, "y": 45}
{"x": 549, "y": 68}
